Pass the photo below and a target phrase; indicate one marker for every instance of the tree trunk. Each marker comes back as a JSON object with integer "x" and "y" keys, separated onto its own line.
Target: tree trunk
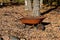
{"x": 28, "y": 5}
{"x": 49, "y": 2}
{"x": 41, "y": 3}
{"x": 36, "y": 8}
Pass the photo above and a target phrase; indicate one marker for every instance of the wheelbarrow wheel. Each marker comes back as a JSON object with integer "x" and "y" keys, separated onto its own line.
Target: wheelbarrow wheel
{"x": 41, "y": 26}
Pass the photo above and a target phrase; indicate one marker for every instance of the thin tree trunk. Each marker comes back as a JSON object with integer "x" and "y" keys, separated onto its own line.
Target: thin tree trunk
{"x": 36, "y": 8}
{"x": 49, "y": 2}
{"x": 41, "y": 3}
{"x": 28, "y": 5}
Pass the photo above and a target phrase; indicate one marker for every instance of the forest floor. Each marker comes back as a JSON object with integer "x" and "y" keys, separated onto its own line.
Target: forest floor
{"x": 11, "y": 25}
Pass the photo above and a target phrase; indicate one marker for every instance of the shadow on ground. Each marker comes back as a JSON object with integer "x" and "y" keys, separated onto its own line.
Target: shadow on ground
{"x": 49, "y": 10}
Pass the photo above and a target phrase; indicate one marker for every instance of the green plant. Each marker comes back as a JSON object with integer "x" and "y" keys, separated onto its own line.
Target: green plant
{"x": 20, "y": 1}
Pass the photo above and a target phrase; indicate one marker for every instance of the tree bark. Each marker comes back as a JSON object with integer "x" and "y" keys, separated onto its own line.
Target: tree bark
{"x": 28, "y": 5}
{"x": 36, "y": 8}
{"x": 41, "y": 3}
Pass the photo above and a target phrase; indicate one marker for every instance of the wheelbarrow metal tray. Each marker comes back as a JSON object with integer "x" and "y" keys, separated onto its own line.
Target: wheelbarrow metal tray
{"x": 32, "y": 20}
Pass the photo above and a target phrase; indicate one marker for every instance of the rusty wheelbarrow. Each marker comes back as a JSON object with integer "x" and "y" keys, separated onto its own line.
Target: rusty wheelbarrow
{"x": 33, "y": 20}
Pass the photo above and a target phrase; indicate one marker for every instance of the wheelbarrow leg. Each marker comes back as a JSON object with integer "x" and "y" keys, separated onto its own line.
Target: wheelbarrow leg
{"x": 41, "y": 26}
{"x": 33, "y": 25}
{"x": 24, "y": 25}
